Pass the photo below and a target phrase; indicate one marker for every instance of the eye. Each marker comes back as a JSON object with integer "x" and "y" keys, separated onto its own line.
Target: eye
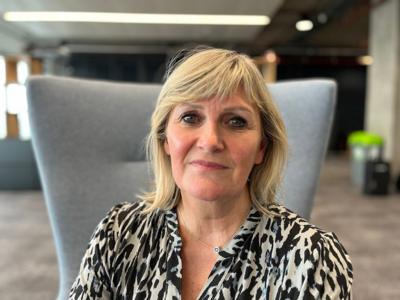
{"x": 237, "y": 122}
{"x": 190, "y": 118}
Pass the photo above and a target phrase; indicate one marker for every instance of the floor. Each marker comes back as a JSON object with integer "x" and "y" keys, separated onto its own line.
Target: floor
{"x": 28, "y": 264}
{"x": 368, "y": 227}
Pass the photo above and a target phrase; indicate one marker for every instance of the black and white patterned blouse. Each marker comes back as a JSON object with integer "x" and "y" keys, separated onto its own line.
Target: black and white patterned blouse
{"x": 136, "y": 256}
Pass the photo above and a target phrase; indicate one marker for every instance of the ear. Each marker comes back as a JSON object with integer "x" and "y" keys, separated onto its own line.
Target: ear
{"x": 166, "y": 146}
{"x": 261, "y": 152}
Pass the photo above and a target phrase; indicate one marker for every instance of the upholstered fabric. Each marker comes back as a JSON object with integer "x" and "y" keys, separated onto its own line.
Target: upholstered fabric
{"x": 88, "y": 139}
{"x": 307, "y": 108}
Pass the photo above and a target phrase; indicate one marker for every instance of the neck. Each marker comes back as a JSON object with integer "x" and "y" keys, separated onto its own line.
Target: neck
{"x": 212, "y": 222}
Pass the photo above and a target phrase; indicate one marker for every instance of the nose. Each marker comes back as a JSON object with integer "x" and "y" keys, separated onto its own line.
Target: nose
{"x": 210, "y": 138}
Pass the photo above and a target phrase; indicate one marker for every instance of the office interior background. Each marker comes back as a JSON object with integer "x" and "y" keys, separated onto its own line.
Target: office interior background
{"x": 355, "y": 42}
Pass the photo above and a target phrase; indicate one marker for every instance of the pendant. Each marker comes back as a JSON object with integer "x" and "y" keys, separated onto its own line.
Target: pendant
{"x": 217, "y": 249}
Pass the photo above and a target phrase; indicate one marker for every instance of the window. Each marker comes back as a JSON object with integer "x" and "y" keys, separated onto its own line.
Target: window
{"x": 3, "y": 121}
{"x": 17, "y": 104}
{"x": 13, "y": 99}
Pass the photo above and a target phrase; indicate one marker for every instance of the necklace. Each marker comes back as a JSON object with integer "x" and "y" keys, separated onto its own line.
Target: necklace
{"x": 216, "y": 249}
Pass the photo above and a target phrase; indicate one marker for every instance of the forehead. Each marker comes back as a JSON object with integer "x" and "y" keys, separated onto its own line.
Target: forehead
{"x": 237, "y": 101}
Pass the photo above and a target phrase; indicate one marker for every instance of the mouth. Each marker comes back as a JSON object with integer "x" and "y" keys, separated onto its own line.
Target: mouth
{"x": 204, "y": 164}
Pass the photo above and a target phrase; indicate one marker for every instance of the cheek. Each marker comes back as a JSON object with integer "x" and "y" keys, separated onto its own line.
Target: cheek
{"x": 177, "y": 149}
{"x": 176, "y": 146}
{"x": 247, "y": 156}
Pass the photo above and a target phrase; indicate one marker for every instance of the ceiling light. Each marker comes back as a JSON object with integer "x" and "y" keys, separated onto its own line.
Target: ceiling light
{"x": 100, "y": 17}
{"x": 365, "y": 60}
{"x": 304, "y": 24}
{"x": 270, "y": 56}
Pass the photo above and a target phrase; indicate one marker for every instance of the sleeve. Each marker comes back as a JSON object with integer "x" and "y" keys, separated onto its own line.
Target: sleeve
{"x": 93, "y": 280}
{"x": 332, "y": 275}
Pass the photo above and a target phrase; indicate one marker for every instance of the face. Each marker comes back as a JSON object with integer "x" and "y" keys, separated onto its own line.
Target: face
{"x": 213, "y": 145}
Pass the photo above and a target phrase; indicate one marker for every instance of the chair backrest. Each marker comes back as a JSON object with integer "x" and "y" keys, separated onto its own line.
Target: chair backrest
{"x": 88, "y": 139}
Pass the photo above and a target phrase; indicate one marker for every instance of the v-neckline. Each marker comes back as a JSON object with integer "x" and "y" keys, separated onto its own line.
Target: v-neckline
{"x": 230, "y": 251}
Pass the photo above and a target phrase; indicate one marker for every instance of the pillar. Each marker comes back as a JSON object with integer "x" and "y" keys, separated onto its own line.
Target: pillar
{"x": 383, "y": 79}
{"x": 268, "y": 65}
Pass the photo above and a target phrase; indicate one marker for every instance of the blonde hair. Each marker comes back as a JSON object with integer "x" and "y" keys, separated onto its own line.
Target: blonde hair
{"x": 203, "y": 74}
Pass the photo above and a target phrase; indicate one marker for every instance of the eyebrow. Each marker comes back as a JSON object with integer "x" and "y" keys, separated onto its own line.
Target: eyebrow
{"x": 228, "y": 109}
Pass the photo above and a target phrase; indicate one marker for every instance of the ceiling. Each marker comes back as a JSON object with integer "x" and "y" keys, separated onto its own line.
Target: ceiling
{"x": 343, "y": 32}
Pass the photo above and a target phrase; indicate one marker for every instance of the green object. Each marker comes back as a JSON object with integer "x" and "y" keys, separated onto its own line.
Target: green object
{"x": 364, "y": 138}
{"x": 365, "y": 146}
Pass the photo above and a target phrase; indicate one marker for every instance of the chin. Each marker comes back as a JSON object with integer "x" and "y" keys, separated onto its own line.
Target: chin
{"x": 209, "y": 195}
{"x": 209, "y": 190}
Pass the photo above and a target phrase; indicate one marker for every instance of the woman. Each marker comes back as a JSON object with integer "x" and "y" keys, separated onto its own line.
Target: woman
{"x": 210, "y": 228}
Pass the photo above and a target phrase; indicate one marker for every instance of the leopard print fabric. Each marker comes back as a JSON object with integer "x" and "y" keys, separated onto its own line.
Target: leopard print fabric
{"x": 136, "y": 256}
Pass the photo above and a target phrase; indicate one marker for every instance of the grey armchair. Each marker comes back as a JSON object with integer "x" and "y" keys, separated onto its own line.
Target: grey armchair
{"x": 88, "y": 141}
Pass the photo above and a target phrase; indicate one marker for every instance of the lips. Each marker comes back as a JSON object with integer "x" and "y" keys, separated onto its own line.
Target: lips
{"x": 204, "y": 164}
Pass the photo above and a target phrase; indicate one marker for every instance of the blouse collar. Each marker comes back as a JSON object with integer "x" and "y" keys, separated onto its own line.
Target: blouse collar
{"x": 242, "y": 236}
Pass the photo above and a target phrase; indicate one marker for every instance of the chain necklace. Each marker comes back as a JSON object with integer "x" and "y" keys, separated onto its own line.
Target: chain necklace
{"x": 216, "y": 249}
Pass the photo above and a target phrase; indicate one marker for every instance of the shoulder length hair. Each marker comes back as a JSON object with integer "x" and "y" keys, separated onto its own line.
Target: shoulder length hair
{"x": 220, "y": 73}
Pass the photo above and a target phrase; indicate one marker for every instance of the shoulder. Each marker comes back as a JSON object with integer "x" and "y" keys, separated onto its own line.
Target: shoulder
{"x": 121, "y": 228}
{"x": 111, "y": 227}
{"x": 310, "y": 255}
{"x": 293, "y": 229}
{"x": 123, "y": 211}
{"x": 128, "y": 217}
{"x": 125, "y": 225}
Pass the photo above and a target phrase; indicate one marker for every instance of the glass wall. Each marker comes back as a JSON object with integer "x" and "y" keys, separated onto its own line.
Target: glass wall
{"x": 13, "y": 101}
{"x": 3, "y": 120}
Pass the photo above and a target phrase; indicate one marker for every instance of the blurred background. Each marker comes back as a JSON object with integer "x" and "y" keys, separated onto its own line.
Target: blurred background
{"x": 355, "y": 42}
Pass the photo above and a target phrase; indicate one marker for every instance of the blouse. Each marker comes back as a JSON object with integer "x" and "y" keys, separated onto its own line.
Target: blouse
{"x": 277, "y": 256}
